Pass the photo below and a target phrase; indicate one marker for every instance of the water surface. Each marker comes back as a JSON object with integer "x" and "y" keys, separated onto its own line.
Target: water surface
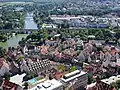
{"x": 29, "y": 22}
{"x": 13, "y": 42}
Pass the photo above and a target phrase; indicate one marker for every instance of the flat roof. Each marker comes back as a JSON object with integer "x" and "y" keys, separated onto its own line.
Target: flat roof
{"x": 57, "y": 35}
{"x": 17, "y": 79}
{"x": 69, "y": 74}
{"x": 91, "y": 36}
{"x": 91, "y": 85}
{"x": 47, "y": 85}
{"x": 73, "y": 77}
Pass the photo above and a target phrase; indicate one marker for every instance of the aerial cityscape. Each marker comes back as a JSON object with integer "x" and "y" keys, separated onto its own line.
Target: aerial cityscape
{"x": 59, "y": 44}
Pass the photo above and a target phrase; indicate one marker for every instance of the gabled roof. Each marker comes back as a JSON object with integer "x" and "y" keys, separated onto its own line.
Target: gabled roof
{"x": 101, "y": 86}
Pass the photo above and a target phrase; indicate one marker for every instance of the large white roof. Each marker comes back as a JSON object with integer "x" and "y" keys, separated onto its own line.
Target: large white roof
{"x": 47, "y": 85}
{"x": 74, "y": 77}
{"x": 17, "y": 79}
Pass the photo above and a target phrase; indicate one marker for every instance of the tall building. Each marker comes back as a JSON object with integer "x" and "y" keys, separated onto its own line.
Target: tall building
{"x": 38, "y": 66}
{"x": 76, "y": 80}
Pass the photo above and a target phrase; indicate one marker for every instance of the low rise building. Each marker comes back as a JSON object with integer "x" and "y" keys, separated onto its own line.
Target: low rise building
{"x": 7, "y": 85}
{"x": 4, "y": 67}
{"x": 49, "y": 85}
{"x": 104, "y": 84}
{"x": 18, "y": 79}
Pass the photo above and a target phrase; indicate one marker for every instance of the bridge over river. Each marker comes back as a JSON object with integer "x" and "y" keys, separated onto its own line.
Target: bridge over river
{"x": 30, "y": 26}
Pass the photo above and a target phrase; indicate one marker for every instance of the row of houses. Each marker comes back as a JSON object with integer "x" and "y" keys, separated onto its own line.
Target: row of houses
{"x": 76, "y": 80}
{"x": 105, "y": 84}
{"x": 87, "y": 21}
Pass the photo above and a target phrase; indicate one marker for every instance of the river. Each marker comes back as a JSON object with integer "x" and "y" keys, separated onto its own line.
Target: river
{"x": 29, "y": 24}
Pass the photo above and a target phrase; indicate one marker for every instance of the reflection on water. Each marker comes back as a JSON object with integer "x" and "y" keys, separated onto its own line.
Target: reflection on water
{"x": 13, "y": 42}
{"x": 29, "y": 22}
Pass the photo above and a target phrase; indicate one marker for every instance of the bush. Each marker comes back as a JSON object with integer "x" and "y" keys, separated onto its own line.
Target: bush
{"x": 6, "y": 76}
{"x": 31, "y": 75}
{"x": 73, "y": 68}
{"x": 90, "y": 79}
{"x": 114, "y": 85}
{"x": 61, "y": 68}
{"x": 118, "y": 83}
{"x": 26, "y": 85}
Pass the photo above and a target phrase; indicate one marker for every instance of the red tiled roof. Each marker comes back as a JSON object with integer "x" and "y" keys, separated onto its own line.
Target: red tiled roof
{"x": 101, "y": 86}
{"x": 7, "y": 85}
{"x": 112, "y": 48}
{"x": 113, "y": 52}
{"x": 58, "y": 75}
{"x": 106, "y": 53}
{"x": 44, "y": 51}
{"x": 118, "y": 64}
{"x": 57, "y": 54}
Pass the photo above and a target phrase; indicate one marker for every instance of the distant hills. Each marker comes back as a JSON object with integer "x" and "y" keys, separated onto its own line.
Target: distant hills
{"x": 4, "y": 0}
{"x": 14, "y": 0}
{"x": 37, "y": 1}
{"x": 50, "y": 0}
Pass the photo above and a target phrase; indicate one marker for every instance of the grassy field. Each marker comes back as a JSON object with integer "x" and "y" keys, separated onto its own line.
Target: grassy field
{"x": 12, "y": 42}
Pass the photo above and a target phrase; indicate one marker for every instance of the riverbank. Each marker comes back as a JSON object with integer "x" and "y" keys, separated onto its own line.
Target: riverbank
{"x": 12, "y": 42}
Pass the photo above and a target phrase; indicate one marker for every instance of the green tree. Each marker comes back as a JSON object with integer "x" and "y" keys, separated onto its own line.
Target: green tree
{"x": 2, "y": 52}
{"x": 114, "y": 85}
{"x": 73, "y": 68}
{"x": 90, "y": 79}
{"x": 99, "y": 34}
{"x": 61, "y": 67}
{"x": 31, "y": 75}
{"x": 118, "y": 83}
{"x": 7, "y": 76}
{"x": 26, "y": 85}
